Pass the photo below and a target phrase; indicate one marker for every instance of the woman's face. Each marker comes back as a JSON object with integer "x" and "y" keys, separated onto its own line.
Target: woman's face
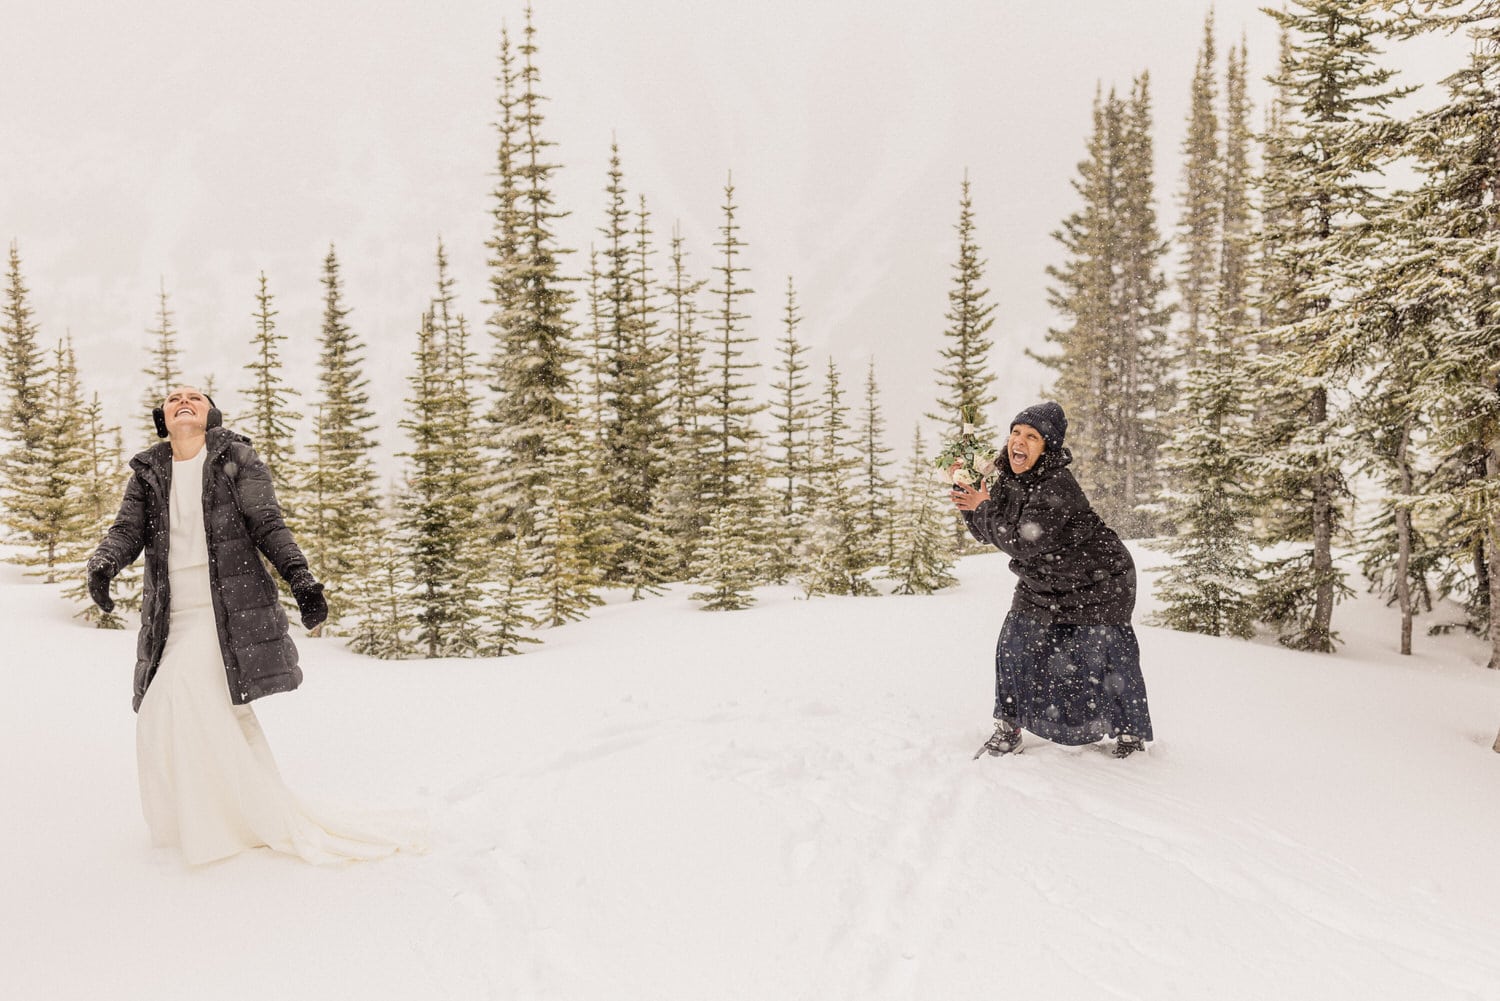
{"x": 186, "y": 409}
{"x": 1024, "y": 447}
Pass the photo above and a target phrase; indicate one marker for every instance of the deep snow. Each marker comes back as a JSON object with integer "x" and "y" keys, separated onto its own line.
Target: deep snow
{"x": 665, "y": 803}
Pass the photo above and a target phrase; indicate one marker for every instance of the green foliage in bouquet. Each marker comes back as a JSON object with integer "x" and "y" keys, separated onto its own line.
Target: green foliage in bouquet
{"x": 973, "y": 450}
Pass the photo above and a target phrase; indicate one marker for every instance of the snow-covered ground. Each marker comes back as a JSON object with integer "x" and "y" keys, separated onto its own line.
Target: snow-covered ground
{"x": 664, "y": 803}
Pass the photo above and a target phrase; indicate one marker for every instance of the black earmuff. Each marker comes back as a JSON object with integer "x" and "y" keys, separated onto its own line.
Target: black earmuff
{"x": 215, "y": 418}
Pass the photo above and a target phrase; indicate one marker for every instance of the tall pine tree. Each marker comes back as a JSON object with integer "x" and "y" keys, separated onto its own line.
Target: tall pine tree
{"x": 339, "y": 496}
{"x": 534, "y": 352}
{"x": 27, "y": 381}
{"x": 731, "y": 552}
{"x": 1112, "y": 357}
{"x": 790, "y": 467}
{"x": 1318, "y": 196}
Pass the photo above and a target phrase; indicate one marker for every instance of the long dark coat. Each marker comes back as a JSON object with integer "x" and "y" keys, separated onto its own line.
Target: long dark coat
{"x": 1073, "y": 568}
{"x": 240, "y": 516}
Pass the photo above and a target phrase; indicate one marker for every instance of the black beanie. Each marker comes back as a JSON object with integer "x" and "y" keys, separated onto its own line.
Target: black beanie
{"x": 1049, "y": 420}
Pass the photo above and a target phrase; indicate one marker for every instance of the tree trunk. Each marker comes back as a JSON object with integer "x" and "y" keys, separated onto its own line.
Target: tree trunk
{"x": 1403, "y": 541}
{"x": 1492, "y": 544}
{"x": 1322, "y": 628}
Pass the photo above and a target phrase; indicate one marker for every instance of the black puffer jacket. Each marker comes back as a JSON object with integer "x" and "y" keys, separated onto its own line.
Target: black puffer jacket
{"x": 240, "y": 516}
{"x": 1073, "y": 568}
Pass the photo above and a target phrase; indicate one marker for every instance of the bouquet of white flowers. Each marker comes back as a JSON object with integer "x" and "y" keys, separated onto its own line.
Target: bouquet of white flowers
{"x": 976, "y": 455}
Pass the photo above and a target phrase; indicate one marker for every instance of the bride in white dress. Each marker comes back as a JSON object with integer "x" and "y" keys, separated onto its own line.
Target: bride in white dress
{"x": 209, "y": 784}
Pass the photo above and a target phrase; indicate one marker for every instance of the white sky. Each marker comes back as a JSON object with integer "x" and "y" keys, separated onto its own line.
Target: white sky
{"x": 197, "y": 143}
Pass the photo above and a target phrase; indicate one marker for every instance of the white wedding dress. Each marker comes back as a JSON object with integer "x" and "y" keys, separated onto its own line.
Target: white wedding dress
{"x": 209, "y": 784}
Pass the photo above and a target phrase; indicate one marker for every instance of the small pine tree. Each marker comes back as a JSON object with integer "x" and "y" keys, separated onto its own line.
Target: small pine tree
{"x": 438, "y": 517}
{"x": 52, "y": 515}
{"x": 104, "y": 478}
{"x": 382, "y": 596}
{"x": 165, "y": 371}
{"x": 272, "y": 423}
{"x": 511, "y": 600}
{"x": 838, "y": 552}
{"x": 568, "y": 578}
{"x": 1210, "y": 587}
{"x": 921, "y": 560}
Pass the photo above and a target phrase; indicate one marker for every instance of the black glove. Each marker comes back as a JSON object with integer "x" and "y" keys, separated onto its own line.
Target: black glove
{"x": 101, "y": 571}
{"x": 311, "y": 604}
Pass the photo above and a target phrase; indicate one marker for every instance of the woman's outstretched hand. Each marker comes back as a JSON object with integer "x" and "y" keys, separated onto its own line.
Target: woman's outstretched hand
{"x": 311, "y": 605}
{"x": 968, "y": 498}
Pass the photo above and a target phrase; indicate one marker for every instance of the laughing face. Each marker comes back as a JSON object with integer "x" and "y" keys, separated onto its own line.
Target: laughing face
{"x": 1024, "y": 447}
{"x": 186, "y": 410}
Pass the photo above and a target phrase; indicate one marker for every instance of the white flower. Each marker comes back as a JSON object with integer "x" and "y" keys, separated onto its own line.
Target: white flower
{"x": 986, "y": 465}
{"x": 965, "y": 477}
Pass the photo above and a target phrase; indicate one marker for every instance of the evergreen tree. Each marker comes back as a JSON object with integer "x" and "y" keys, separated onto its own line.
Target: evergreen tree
{"x": 438, "y": 515}
{"x": 875, "y": 516}
{"x": 165, "y": 371}
{"x": 1084, "y": 293}
{"x": 1145, "y": 391}
{"x": 534, "y": 352}
{"x": 104, "y": 478}
{"x": 425, "y": 521}
{"x": 1236, "y": 223}
{"x": 730, "y": 557}
{"x": 568, "y": 578}
{"x": 511, "y": 600}
{"x": 920, "y": 561}
{"x": 1210, "y": 587}
{"x": 272, "y": 422}
{"x": 52, "y": 515}
{"x": 1112, "y": 360}
{"x": 839, "y": 553}
{"x": 790, "y": 413}
{"x": 651, "y": 548}
{"x": 689, "y": 462}
{"x": 339, "y": 496}
{"x": 964, "y": 379}
{"x": 1318, "y": 194}
{"x": 634, "y": 403}
{"x": 383, "y": 596}
{"x": 27, "y": 385}
{"x": 1440, "y": 290}
{"x": 1202, "y": 208}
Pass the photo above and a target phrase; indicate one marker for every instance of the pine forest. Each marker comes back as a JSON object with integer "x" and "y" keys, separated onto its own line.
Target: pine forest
{"x": 1279, "y": 364}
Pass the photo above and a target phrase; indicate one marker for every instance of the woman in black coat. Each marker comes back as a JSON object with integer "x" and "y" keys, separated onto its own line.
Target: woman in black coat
{"x": 213, "y": 639}
{"x": 1067, "y": 666}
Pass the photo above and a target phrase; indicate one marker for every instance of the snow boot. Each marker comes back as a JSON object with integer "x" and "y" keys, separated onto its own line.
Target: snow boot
{"x": 1005, "y": 740}
{"x": 1127, "y": 745}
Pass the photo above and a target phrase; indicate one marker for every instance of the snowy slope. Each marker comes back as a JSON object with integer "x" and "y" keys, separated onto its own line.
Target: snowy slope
{"x": 663, "y": 803}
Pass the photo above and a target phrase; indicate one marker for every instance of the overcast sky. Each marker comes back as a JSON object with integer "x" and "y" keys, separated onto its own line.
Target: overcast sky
{"x": 196, "y": 143}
